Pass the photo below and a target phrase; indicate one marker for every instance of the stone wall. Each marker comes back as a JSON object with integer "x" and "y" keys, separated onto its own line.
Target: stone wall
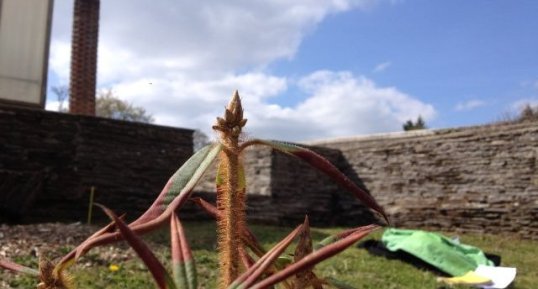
{"x": 480, "y": 179}
{"x": 257, "y": 163}
{"x": 473, "y": 179}
{"x": 282, "y": 189}
{"x": 49, "y": 161}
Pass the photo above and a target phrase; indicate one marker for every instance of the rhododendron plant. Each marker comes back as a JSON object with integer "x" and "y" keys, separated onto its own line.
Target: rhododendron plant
{"x": 244, "y": 263}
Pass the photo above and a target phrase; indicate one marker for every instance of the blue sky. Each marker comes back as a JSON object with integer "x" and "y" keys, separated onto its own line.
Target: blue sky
{"x": 315, "y": 69}
{"x": 444, "y": 52}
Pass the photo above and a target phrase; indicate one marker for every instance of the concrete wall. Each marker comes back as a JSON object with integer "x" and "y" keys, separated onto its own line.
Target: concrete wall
{"x": 49, "y": 161}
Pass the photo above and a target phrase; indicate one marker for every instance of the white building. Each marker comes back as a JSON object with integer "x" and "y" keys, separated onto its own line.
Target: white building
{"x": 24, "y": 47}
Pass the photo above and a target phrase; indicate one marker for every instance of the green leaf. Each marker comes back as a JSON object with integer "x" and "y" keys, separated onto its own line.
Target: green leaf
{"x": 245, "y": 257}
{"x": 17, "y": 268}
{"x": 157, "y": 270}
{"x": 181, "y": 184}
{"x": 106, "y": 229}
{"x": 174, "y": 194}
{"x": 323, "y": 165}
{"x": 182, "y": 262}
{"x": 249, "y": 277}
{"x": 312, "y": 259}
{"x": 341, "y": 235}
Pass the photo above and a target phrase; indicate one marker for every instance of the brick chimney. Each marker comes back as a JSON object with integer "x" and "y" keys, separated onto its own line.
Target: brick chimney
{"x": 84, "y": 57}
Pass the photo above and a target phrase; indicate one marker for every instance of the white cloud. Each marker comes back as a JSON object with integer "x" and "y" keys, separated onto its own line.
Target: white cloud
{"x": 182, "y": 101}
{"x": 341, "y": 103}
{"x": 470, "y": 105}
{"x": 181, "y": 60}
{"x": 338, "y": 104}
{"x": 518, "y": 105}
{"x": 382, "y": 66}
{"x": 52, "y": 105}
{"x": 140, "y": 39}
{"x": 199, "y": 37}
{"x": 59, "y": 59}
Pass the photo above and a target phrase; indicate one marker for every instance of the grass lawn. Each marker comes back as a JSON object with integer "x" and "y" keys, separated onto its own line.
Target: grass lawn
{"x": 355, "y": 266}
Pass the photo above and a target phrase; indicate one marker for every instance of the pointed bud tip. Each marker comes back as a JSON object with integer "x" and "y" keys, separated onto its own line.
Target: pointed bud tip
{"x": 235, "y": 102}
{"x": 232, "y": 122}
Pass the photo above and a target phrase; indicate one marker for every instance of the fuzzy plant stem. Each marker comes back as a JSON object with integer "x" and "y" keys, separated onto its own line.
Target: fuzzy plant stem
{"x": 231, "y": 192}
{"x": 228, "y": 227}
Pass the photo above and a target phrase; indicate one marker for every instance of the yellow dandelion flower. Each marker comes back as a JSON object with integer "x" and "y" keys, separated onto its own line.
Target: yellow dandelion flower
{"x": 113, "y": 267}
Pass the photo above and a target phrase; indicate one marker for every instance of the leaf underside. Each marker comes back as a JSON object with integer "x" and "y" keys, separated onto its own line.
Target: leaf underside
{"x": 182, "y": 262}
{"x": 313, "y": 259}
{"x": 173, "y": 196}
{"x": 157, "y": 270}
{"x": 322, "y": 164}
{"x": 14, "y": 267}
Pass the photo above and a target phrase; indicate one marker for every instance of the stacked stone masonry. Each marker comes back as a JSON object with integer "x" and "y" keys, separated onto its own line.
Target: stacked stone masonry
{"x": 49, "y": 161}
{"x": 283, "y": 190}
{"x": 474, "y": 179}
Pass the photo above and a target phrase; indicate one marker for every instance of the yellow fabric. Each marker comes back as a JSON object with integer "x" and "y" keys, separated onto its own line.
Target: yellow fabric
{"x": 470, "y": 278}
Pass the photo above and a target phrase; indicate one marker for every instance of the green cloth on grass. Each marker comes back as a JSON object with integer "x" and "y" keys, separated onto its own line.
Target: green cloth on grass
{"x": 445, "y": 254}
